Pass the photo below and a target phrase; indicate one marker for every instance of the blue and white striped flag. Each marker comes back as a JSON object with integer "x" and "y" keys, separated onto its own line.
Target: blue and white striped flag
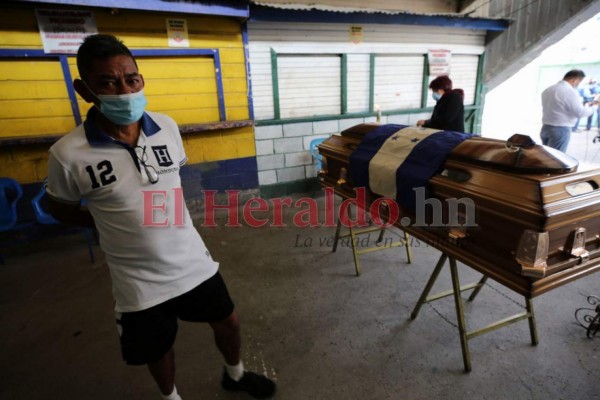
{"x": 392, "y": 160}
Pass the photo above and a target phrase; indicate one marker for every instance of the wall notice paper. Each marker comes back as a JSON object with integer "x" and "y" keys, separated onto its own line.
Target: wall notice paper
{"x": 356, "y": 34}
{"x": 439, "y": 62}
{"x": 62, "y": 31}
{"x": 177, "y": 33}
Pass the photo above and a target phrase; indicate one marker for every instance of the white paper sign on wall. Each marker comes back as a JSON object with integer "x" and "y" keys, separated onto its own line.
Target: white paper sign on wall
{"x": 439, "y": 62}
{"x": 62, "y": 31}
{"x": 177, "y": 33}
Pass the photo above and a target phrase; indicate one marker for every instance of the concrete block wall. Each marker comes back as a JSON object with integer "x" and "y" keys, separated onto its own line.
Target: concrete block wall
{"x": 282, "y": 151}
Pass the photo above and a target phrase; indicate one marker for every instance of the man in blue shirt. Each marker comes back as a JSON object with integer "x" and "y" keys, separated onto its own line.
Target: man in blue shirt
{"x": 594, "y": 89}
{"x": 585, "y": 92}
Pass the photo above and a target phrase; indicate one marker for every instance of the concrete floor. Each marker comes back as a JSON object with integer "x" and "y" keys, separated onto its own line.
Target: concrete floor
{"x": 308, "y": 323}
{"x": 582, "y": 148}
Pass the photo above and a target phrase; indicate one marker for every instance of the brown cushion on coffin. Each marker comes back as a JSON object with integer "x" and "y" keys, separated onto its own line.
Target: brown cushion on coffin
{"x": 502, "y": 155}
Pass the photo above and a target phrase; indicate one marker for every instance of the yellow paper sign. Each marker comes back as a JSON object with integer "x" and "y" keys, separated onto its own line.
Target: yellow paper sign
{"x": 356, "y": 34}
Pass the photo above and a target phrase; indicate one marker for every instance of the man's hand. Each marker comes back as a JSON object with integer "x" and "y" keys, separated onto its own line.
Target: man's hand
{"x": 592, "y": 103}
{"x": 421, "y": 122}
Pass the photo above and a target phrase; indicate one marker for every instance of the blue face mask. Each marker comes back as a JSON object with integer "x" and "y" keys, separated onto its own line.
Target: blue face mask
{"x": 123, "y": 109}
{"x": 436, "y": 96}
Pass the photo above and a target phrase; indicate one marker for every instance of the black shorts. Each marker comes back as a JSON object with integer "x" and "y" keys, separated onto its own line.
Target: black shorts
{"x": 147, "y": 335}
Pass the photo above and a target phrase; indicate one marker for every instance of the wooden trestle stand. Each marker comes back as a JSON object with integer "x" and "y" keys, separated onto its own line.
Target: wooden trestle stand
{"x": 456, "y": 291}
{"x": 353, "y": 235}
{"x": 460, "y": 316}
{"x": 535, "y": 214}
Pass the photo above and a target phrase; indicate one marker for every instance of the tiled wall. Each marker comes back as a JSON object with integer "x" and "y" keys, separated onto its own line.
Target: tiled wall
{"x": 282, "y": 151}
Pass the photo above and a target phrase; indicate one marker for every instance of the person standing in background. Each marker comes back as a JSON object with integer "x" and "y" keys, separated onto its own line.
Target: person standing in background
{"x": 585, "y": 92}
{"x": 594, "y": 93}
{"x": 561, "y": 107}
{"x": 449, "y": 111}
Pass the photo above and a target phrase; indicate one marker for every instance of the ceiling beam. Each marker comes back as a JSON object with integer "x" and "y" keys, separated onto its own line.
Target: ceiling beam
{"x": 265, "y": 13}
{"x": 461, "y": 5}
{"x": 229, "y": 8}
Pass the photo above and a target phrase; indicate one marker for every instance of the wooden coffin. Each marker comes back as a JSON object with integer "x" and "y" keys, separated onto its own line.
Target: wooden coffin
{"x": 537, "y": 212}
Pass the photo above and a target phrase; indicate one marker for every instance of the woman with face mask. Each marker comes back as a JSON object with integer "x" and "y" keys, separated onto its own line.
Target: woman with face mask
{"x": 449, "y": 111}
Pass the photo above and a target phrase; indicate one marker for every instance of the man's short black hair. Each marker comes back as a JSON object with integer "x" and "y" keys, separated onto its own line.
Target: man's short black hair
{"x": 574, "y": 73}
{"x": 99, "y": 47}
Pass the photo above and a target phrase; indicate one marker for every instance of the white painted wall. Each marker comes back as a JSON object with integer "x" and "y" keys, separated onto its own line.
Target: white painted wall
{"x": 398, "y": 81}
{"x": 309, "y": 85}
{"x": 309, "y": 57}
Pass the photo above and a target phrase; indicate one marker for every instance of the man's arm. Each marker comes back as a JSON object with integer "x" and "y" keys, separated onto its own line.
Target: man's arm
{"x": 63, "y": 194}
{"x": 577, "y": 108}
{"x": 70, "y": 214}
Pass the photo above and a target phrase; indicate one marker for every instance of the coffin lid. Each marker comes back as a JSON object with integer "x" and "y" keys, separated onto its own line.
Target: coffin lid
{"x": 517, "y": 154}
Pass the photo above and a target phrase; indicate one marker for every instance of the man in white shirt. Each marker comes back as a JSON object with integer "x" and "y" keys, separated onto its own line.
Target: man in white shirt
{"x": 161, "y": 271}
{"x": 561, "y": 107}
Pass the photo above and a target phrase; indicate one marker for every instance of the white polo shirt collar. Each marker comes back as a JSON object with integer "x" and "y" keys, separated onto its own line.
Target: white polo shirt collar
{"x": 95, "y": 135}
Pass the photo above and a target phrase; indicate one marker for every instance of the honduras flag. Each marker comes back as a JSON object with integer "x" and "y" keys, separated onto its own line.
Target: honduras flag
{"x": 392, "y": 160}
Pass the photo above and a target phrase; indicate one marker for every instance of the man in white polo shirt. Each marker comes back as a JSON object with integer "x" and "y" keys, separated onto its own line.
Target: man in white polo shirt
{"x": 561, "y": 107}
{"x": 119, "y": 159}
